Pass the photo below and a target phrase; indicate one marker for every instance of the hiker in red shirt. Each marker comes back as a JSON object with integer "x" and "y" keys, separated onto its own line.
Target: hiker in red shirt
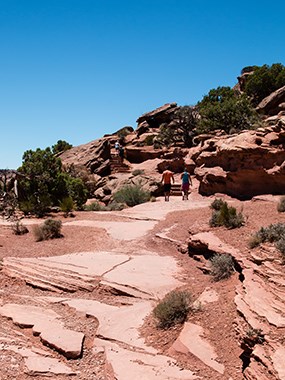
{"x": 167, "y": 176}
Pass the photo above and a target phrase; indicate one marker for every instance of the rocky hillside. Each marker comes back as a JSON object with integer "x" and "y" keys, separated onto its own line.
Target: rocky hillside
{"x": 240, "y": 165}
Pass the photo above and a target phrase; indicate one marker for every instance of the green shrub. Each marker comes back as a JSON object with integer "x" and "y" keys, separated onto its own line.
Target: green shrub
{"x": 50, "y": 229}
{"x": 280, "y": 245}
{"x": 226, "y": 216}
{"x": 115, "y": 206}
{"x": 223, "y": 109}
{"x": 281, "y": 205}
{"x": 26, "y": 206}
{"x": 94, "y": 206}
{"x": 131, "y": 195}
{"x": 264, "y": 80}
{"x": 272, "y": 233}
{"x": 173, "y": 309}
{"x": 44, "y": 183}
{"x": 217, "y": 204}
{"x": 60, "y": 147}
{"x": 66, "y": 205}
{"x": 137, "y": 172}
{"x": 222, "y": 266}
{"x": 149, "y": 140}
{"x": 112, "y": 206}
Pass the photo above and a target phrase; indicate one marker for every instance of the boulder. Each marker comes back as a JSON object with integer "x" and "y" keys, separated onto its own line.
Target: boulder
{"x": 93, "y": 156}
{"x": 271, "y": 104}
{"x": 158, "y": 116}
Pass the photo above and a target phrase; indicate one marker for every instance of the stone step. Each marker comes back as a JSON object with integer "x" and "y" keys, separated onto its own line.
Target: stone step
{"x": 176, "y": 189}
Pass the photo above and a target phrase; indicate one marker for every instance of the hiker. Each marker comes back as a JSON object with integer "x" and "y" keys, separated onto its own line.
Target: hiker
{"x": 167, "y": 176}
{"x": 121, "y": 153}
{"x": 117, "y": 147}
{"x": 186, "y": 182}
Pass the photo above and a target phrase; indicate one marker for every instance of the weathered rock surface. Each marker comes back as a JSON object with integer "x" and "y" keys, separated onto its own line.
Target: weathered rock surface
{"x": 46, "y": 323}
{"x": 259, "y": 300}
{"x": 85, "y": 270}
{"x": 158, "y": 116}
{"x": 143, "y": 365}
{"x": 191, "y": 340}
{"x": 94, "y": 156}
{"x": 243, "y": 165}
{"x": 271, "y": 104}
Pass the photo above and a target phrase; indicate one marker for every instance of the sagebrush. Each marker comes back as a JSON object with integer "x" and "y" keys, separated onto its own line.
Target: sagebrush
{"x": 173, "y": 309}
{"x": 225, "y": 215}
{"x": 222, "y": 266}
{"x": 50, "y": 229}
{"x": 132, "y": 195}
{"x": 274, "y": 233}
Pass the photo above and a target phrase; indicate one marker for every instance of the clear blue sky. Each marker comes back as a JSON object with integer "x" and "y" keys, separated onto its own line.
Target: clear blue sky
{"x": 76, "y": 69}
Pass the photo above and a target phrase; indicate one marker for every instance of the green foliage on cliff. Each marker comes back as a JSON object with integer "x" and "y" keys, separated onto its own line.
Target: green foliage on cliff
{"x": 264, "y": 80}
{"x": 185, "y": 121}
{"x": 60, "y": 147}
{"x": 223, "y": 109}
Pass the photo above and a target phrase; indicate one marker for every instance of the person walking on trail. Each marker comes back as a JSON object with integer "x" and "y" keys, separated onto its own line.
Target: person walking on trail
{"x": 186, "y": 182}
{"x": 167, "y": 176}
{"x": 121, "y": 153}
{"x": 117, "y": 147}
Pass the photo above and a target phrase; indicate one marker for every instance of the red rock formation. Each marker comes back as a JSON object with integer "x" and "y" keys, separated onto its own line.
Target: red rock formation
{"x": 243, "y": 165}
{"x": 271, "y": 104}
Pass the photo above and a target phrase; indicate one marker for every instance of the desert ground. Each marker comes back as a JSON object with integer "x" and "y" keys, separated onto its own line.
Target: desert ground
{"x": 81, "y": 306}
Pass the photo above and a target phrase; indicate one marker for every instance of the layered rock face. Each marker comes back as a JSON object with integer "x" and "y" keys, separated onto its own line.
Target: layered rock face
{"x": 243, "y": 165}
{"x": 94, "y": 156}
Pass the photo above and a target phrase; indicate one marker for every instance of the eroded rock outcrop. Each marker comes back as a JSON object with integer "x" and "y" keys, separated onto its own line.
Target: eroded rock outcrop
{"x": 243, "y": 165}
{"x": 273, "y": 103}
{"x": 260, "y": 305}
{"x": 94, "y": 156}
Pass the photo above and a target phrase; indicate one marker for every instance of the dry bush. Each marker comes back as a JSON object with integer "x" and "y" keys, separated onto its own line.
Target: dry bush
{"x": 50, "y": 229}
{"x": 271, "y": 234}
{"x": 172, "y": 309}
{"x": 222, "y": 266}
{"x": 217, "y": 204}
{"x": 19, "y": 229}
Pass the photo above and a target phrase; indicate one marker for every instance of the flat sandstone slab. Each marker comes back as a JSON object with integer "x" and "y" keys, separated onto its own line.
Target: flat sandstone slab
{"x": 191, "y": 341}
{"x": 47, "y": 324}
{"x": 132, "y": 365}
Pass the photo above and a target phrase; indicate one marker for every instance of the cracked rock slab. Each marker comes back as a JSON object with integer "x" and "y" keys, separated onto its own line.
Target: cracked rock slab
{"x": 117, "y": 323}
{"x": 46, "y": 323}
{"x": 151, "y": 274}
{"x": 39, "y": 364}
{"x": 135, "y": 365}
{"x": 191, "y": 340}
